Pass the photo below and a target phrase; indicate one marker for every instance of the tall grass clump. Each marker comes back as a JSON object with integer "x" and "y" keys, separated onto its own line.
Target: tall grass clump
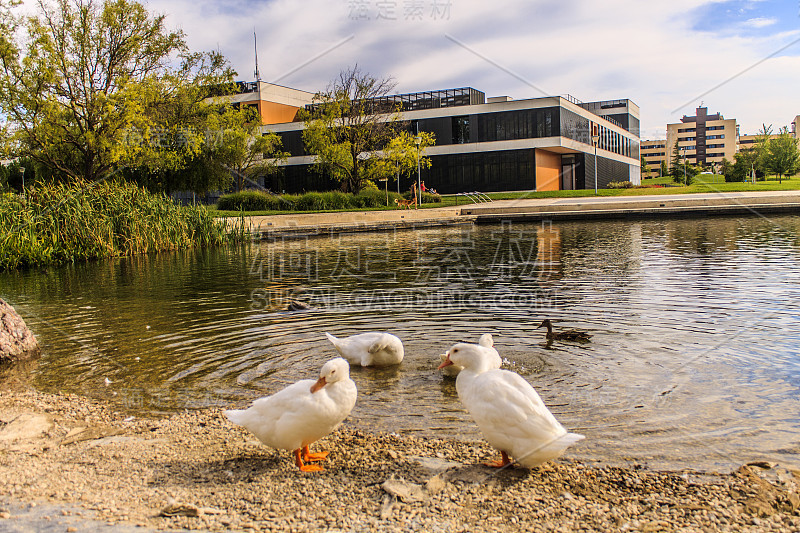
{"x": 61, "y": 223}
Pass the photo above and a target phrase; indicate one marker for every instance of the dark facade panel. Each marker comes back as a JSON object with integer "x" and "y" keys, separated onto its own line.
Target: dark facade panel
{"x": 441, "y": 128}
{"x": 627, "y": 121}
{"x": 298, "y": 179}
{"x": 575, "y": 127}
{"x": 508, "y": 170}
{"x": 460, "y": 127}
{"x": 293, "y": 142}
{"x": 608, "y": 170}
{"x": 489, "y": 127}
{"x": 513, "y": 125}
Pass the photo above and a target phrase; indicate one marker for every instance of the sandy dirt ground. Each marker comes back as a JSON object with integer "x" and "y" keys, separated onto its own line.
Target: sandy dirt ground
{"x": 68, "y": 463}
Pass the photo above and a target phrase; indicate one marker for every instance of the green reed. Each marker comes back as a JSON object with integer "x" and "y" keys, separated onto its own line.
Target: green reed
{"x": 62, "y": 223}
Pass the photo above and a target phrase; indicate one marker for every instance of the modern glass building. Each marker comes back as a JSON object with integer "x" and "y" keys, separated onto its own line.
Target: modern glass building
{"x": 498, "y": 144}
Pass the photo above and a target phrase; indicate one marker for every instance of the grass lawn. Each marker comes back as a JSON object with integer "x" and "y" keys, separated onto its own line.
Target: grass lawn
{"x": 703, "y": 183}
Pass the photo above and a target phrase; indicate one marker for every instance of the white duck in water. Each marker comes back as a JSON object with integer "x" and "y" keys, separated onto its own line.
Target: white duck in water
{"x": 370, "y": 349}
{"x": 509, "y": 412}
{"x": 302, "y": 413}
{"x": 486, "y": 341}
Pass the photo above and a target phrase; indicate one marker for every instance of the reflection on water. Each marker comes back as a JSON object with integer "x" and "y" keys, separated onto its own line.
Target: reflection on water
{"x": 693, "y": 358}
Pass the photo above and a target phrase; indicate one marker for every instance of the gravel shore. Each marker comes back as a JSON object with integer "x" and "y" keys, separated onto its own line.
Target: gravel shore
{"x": 198, "y": 471}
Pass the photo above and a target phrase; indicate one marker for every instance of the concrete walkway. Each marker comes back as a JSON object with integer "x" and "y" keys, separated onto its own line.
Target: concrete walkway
{"x": 587, "y": 207}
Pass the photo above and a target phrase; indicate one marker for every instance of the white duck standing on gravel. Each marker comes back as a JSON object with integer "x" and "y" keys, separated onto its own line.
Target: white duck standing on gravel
{"x": 302, "y": 413}
{"x": 509, "y": 412}
{"x": 370, "y": 349}
{"x": 487, "y": 341}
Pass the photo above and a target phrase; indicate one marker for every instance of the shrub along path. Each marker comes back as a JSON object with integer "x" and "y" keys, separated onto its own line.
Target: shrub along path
{"x": 657, "y": 186}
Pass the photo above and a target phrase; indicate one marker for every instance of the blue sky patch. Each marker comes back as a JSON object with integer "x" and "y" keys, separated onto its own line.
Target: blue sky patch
{"x": 748, "y": 18}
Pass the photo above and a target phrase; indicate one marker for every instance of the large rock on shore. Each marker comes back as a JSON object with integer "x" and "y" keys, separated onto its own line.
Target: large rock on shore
{"x": 16, "y": 340}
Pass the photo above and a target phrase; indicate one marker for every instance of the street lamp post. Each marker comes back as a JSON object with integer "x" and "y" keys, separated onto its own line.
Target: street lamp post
{"x": 22, "y": 173}
{"x": 418, "y": 141}
{"x": 386, "y": 186}
{"x": 595, "y": 140}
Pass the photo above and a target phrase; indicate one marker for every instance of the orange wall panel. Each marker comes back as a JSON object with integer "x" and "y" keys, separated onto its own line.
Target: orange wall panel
{"x": 548, "y": 171}
{"x": 272, "y": 113}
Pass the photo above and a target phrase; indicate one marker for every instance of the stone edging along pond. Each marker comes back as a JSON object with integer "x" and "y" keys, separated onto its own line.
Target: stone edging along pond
{"x": 301, "y": 225}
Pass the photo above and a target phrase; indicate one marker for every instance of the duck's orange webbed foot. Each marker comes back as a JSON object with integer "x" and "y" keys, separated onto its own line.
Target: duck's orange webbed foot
{"x": 298, "y": 460}
{"x": 503, "y": 462}
{"x": 309, "y": 457}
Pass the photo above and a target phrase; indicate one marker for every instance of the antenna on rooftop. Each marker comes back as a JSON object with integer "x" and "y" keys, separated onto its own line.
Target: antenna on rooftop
{"x": 255, "y": 45}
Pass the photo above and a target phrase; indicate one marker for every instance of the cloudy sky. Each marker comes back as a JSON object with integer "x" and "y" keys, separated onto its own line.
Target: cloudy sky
{"x": 738, "y": 57}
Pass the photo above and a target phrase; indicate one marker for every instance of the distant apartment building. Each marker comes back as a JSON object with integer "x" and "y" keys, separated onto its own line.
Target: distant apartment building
{"x": 749, "y": 141}
{"x": 654, "y": 152}
{"x": 703, "y": 139}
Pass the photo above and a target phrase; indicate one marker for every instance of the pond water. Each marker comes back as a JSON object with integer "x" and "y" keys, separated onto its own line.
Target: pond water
{"x": 693, "y": 360}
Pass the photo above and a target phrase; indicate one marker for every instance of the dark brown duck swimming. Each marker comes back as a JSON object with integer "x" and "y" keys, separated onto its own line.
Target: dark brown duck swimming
{"x": 568, "y": 335}
{"x": 297, "y": 305}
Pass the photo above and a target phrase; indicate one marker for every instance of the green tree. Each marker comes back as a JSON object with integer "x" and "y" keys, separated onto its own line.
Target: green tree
{"x": 664, "y": 169}
{"x": 645, "y": 168}
{"x": 240, "y": 148}
{"x": 725, "y": 167}
{"x": 691, "y": 173}
{"x": 348, "y": 125}
{"x": 4, "y": 173}
{"x": 401, "y": 152}
{"x": 782, "y": 155}
{"x": 762, "y": 148}
{"x": 681, "y": 171}
{"x": 676, "y": 164}
{"x": 745, "y": 161}
{"x": 9, "y": 22}
{"x": 93, "y": 88}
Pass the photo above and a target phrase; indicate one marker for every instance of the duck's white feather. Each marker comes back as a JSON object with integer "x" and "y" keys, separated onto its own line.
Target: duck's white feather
{"x": 508, "y": 411}
{"x": 370, "y": 349}
{"x": 295, "y": 417}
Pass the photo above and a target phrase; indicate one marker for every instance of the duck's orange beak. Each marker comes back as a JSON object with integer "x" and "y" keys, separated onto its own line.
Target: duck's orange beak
{"x": 318, "y": 385}
{"x": 447, "y": 362}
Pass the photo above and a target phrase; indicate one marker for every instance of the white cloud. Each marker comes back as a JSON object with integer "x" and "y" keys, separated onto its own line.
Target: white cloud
{"x": 759, "y": 22}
